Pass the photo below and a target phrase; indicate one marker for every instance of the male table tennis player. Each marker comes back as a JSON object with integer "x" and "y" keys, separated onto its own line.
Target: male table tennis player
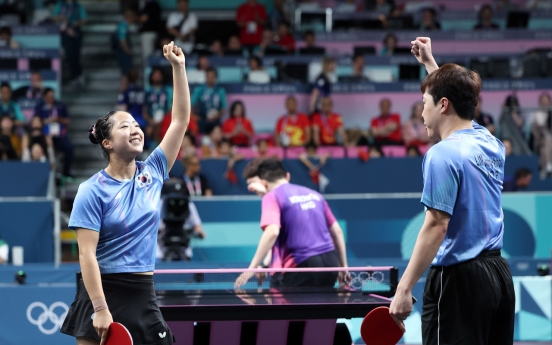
{"x": 469, "y": 295}
{"x": 298, "y": 226}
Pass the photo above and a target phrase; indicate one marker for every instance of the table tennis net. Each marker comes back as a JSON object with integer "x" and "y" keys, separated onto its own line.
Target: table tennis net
{"x": 381, "y": 280}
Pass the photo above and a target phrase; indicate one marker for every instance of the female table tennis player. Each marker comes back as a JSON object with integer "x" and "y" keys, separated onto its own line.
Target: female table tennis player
{"x": 116, "y": 217}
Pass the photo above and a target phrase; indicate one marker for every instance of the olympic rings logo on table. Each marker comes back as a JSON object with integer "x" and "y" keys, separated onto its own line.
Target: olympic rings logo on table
{"x": 47, "y": 314}
{"x": 360, "y": 279}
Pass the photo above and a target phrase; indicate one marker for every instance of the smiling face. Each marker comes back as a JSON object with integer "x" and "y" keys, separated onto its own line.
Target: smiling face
{"x": 127, "y": 139}
{"x": 431, "y": 116}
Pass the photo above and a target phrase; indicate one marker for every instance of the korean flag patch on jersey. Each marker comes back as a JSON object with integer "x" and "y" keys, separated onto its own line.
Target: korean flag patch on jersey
{"x": 143, "y": 179}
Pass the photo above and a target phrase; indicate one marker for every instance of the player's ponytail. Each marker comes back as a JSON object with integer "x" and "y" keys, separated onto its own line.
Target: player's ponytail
{"x": 100, "y": 131}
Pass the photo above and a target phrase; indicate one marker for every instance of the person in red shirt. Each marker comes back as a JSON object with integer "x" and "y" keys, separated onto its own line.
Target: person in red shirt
{"x": 285, "y": 38}
{"x": 193, "y": 128}
{"x": 237, "y": 128}
{"x": 326, "y": 125}
{"x": 251, "y": 18}
{"x": 292, "y": 129}
{"x": 386, "y": 128}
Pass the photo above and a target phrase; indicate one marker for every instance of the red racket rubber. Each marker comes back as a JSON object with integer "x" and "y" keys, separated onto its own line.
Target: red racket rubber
{"x": 379, "y": 328}
{"x": 118, "y": 335}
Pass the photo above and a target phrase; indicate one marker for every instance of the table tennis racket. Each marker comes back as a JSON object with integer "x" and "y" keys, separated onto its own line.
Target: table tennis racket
{"x": 379, "y": 328}
{"x": 118, "y": 335}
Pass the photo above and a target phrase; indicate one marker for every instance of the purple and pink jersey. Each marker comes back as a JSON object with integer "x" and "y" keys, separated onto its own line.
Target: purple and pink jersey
{"x": 304, "y": 219}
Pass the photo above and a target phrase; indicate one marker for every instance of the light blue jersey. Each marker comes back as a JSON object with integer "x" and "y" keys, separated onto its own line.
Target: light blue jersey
{"x": 463, "y": 177}
{"x": 126, "y": 214}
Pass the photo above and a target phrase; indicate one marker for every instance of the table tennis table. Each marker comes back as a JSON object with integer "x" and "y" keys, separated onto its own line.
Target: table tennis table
{"x": 205, "y": 304}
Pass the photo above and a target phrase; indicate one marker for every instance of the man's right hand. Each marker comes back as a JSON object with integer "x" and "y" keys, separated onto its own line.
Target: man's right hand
{"x": 421, "y": 49}
{"x": 102, "y": 320}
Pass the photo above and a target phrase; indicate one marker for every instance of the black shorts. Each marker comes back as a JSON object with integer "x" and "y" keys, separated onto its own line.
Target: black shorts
{"x": 131, "y": 300}
{"x": 471, "y": 303}
{"x": 308, "y": 279}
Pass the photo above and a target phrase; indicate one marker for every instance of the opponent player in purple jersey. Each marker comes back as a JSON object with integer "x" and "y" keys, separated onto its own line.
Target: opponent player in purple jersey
{"x": 298, "y": 226}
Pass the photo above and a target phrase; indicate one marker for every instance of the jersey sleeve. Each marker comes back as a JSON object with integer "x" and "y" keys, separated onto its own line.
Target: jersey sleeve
{"x": 122, "y": 31}
{"x": 158, "y": 162}
{"x": 278, "y": 128}
{"x": 270, "y": 211}
{"x": 330, "y": 218}
{"x": 320, "y": 83}
{"x": 441, "y": 178}
{"x": 18, "y": 113}
{"x": 87, "y": 209}
{"x": 222, "y": 96}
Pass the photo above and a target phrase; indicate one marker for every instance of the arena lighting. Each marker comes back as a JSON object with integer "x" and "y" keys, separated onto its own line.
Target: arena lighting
{"x": 20, "y": 277}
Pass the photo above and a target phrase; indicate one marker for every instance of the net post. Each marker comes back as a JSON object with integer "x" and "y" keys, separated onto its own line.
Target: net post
{"x": 393, "y": 280}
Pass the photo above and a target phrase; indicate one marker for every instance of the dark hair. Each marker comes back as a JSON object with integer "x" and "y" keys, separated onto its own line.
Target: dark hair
{"x": 522, "y": 172}
{"x": 5, "y": 30}
{"x": 225, "y": 141}
{"x": 390, "y": 35}
{"x": 212, "y": 129}
{"x": 191, "y": 136}
{"x": 511, "y": 102}
{"x": 102, "y": 131}
{"x": 212, "y": 69}
{"x": 483, "y": 8}
{"x": 233, "y": 107}
{"x": 377, "y": 147}
{"x": 456, "y": 83}
{"x": 132, "y": 76}
{"x": 5, "y": 84}
{"x": 311, "y": 145}
{"x": 46, "y": 90}
{"x": 309, "y": 33}
{"x": 431, "y": 10}
{"x": 251, "y": 168}
{"x": 257, "y": 59}
{"x": 262, "y": 140}
{"x": 271, "y": 170}
{"x": 356, "y": 56}
{"x": 153, "y": 70}
{"x": 415, "y": 148}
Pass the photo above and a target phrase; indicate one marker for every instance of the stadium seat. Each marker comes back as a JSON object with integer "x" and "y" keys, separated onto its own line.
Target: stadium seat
{"x": 276, "y": 151}
{"x": 196, "y": 76}
{"x": 333, "y": 151}
{"x": 247, "y": 152}
{"x": 294, "y": 152}
{"x": 394, "y": 151}
{"x": 258, "y": 77}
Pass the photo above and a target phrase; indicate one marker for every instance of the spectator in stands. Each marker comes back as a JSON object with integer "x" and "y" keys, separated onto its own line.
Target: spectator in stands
{"x": 255, "y": 64}
{"x": 389, "y": 45}
{"x": 182, "y": 25}
{"x": 311, "y": 159}
{"x": 266, "y": 45}
{"x": 310, "y": 47}
{"x": 327, "y": 125}
{"x": 386, "y": 128}
{"x": 8, "y": 107}
{"x": 122, "y": 45}
{"x": 429, "y": 21}
{"x": 132, "y": 100}
{"x": 284, "y": 38}
{"x": 210, "y": 100}
{"x": 383, "y": 7}
{"x": 293, "y": 128}
{"x": 542, "y": 137}
{"x": 71, "y": 16}
{"x": 512, "y": 125}
{"x": 30, "y": 92}
{"x": 164, "y": 126}
{"x": 348, "y": 6}
{"x": 483, "y": 119}
{"x": 217, "y": 49}
{"x": 413, "y": 151}
{"x": 507, "y": 146}
{"x": 308, "y": 5}
{"x": 234, "y": 47}
{"x": 521, "y": 180}
{"x": 151, "y": 26}
{"x": 37, "y": 146}
{"x": 278, "y": 15}
{"x": 237, "y": 128}
{"x": 196, "y": 182}
{"x": 160, "y": 43}
{"x": 158, "y": 102}
{"x": 203, "y": 63}
{"x": 210, "y": 145}
{"x": 358, "y": 70}
{"x": 187, "y": 148}
{"x": 414, "y": 131}
{"x": 6, "y": 40}
{"x": 486, "y": 19}
{"x": 322, "y": 85}
{"x": 538, "y": 5}
{"x": 56, "y": 119}
{"x": 9, "y": 140}
{"x": 251, "y": 18}
{"x": 262, "y": 150}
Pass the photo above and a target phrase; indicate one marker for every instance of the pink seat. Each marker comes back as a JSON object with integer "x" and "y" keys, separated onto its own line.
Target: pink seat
{"x": 276, "y": 151}
{"x": 394, "y": 151}
{"x": 352, "y": 152}
{"x": 423, "y": 149}
{"x": 246, "y": 152}
{"x": 333, "y": 151}
{"x": 294, "y": 152}
{"x": 259, "y": 136}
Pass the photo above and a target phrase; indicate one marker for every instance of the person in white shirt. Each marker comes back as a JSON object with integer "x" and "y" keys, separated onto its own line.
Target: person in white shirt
{"x": 183, "y": 25}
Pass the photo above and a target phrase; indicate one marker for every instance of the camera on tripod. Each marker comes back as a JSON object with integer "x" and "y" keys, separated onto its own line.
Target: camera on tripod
{"x": 175, "y": 212}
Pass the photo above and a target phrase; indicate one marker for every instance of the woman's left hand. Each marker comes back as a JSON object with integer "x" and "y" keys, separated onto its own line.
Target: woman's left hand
{"x": 174, "y": 54}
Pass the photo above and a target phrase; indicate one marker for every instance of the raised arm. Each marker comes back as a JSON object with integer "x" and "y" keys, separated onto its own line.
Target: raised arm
{"x": 181, "y": 104}
{"x": 421, "y": 49}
